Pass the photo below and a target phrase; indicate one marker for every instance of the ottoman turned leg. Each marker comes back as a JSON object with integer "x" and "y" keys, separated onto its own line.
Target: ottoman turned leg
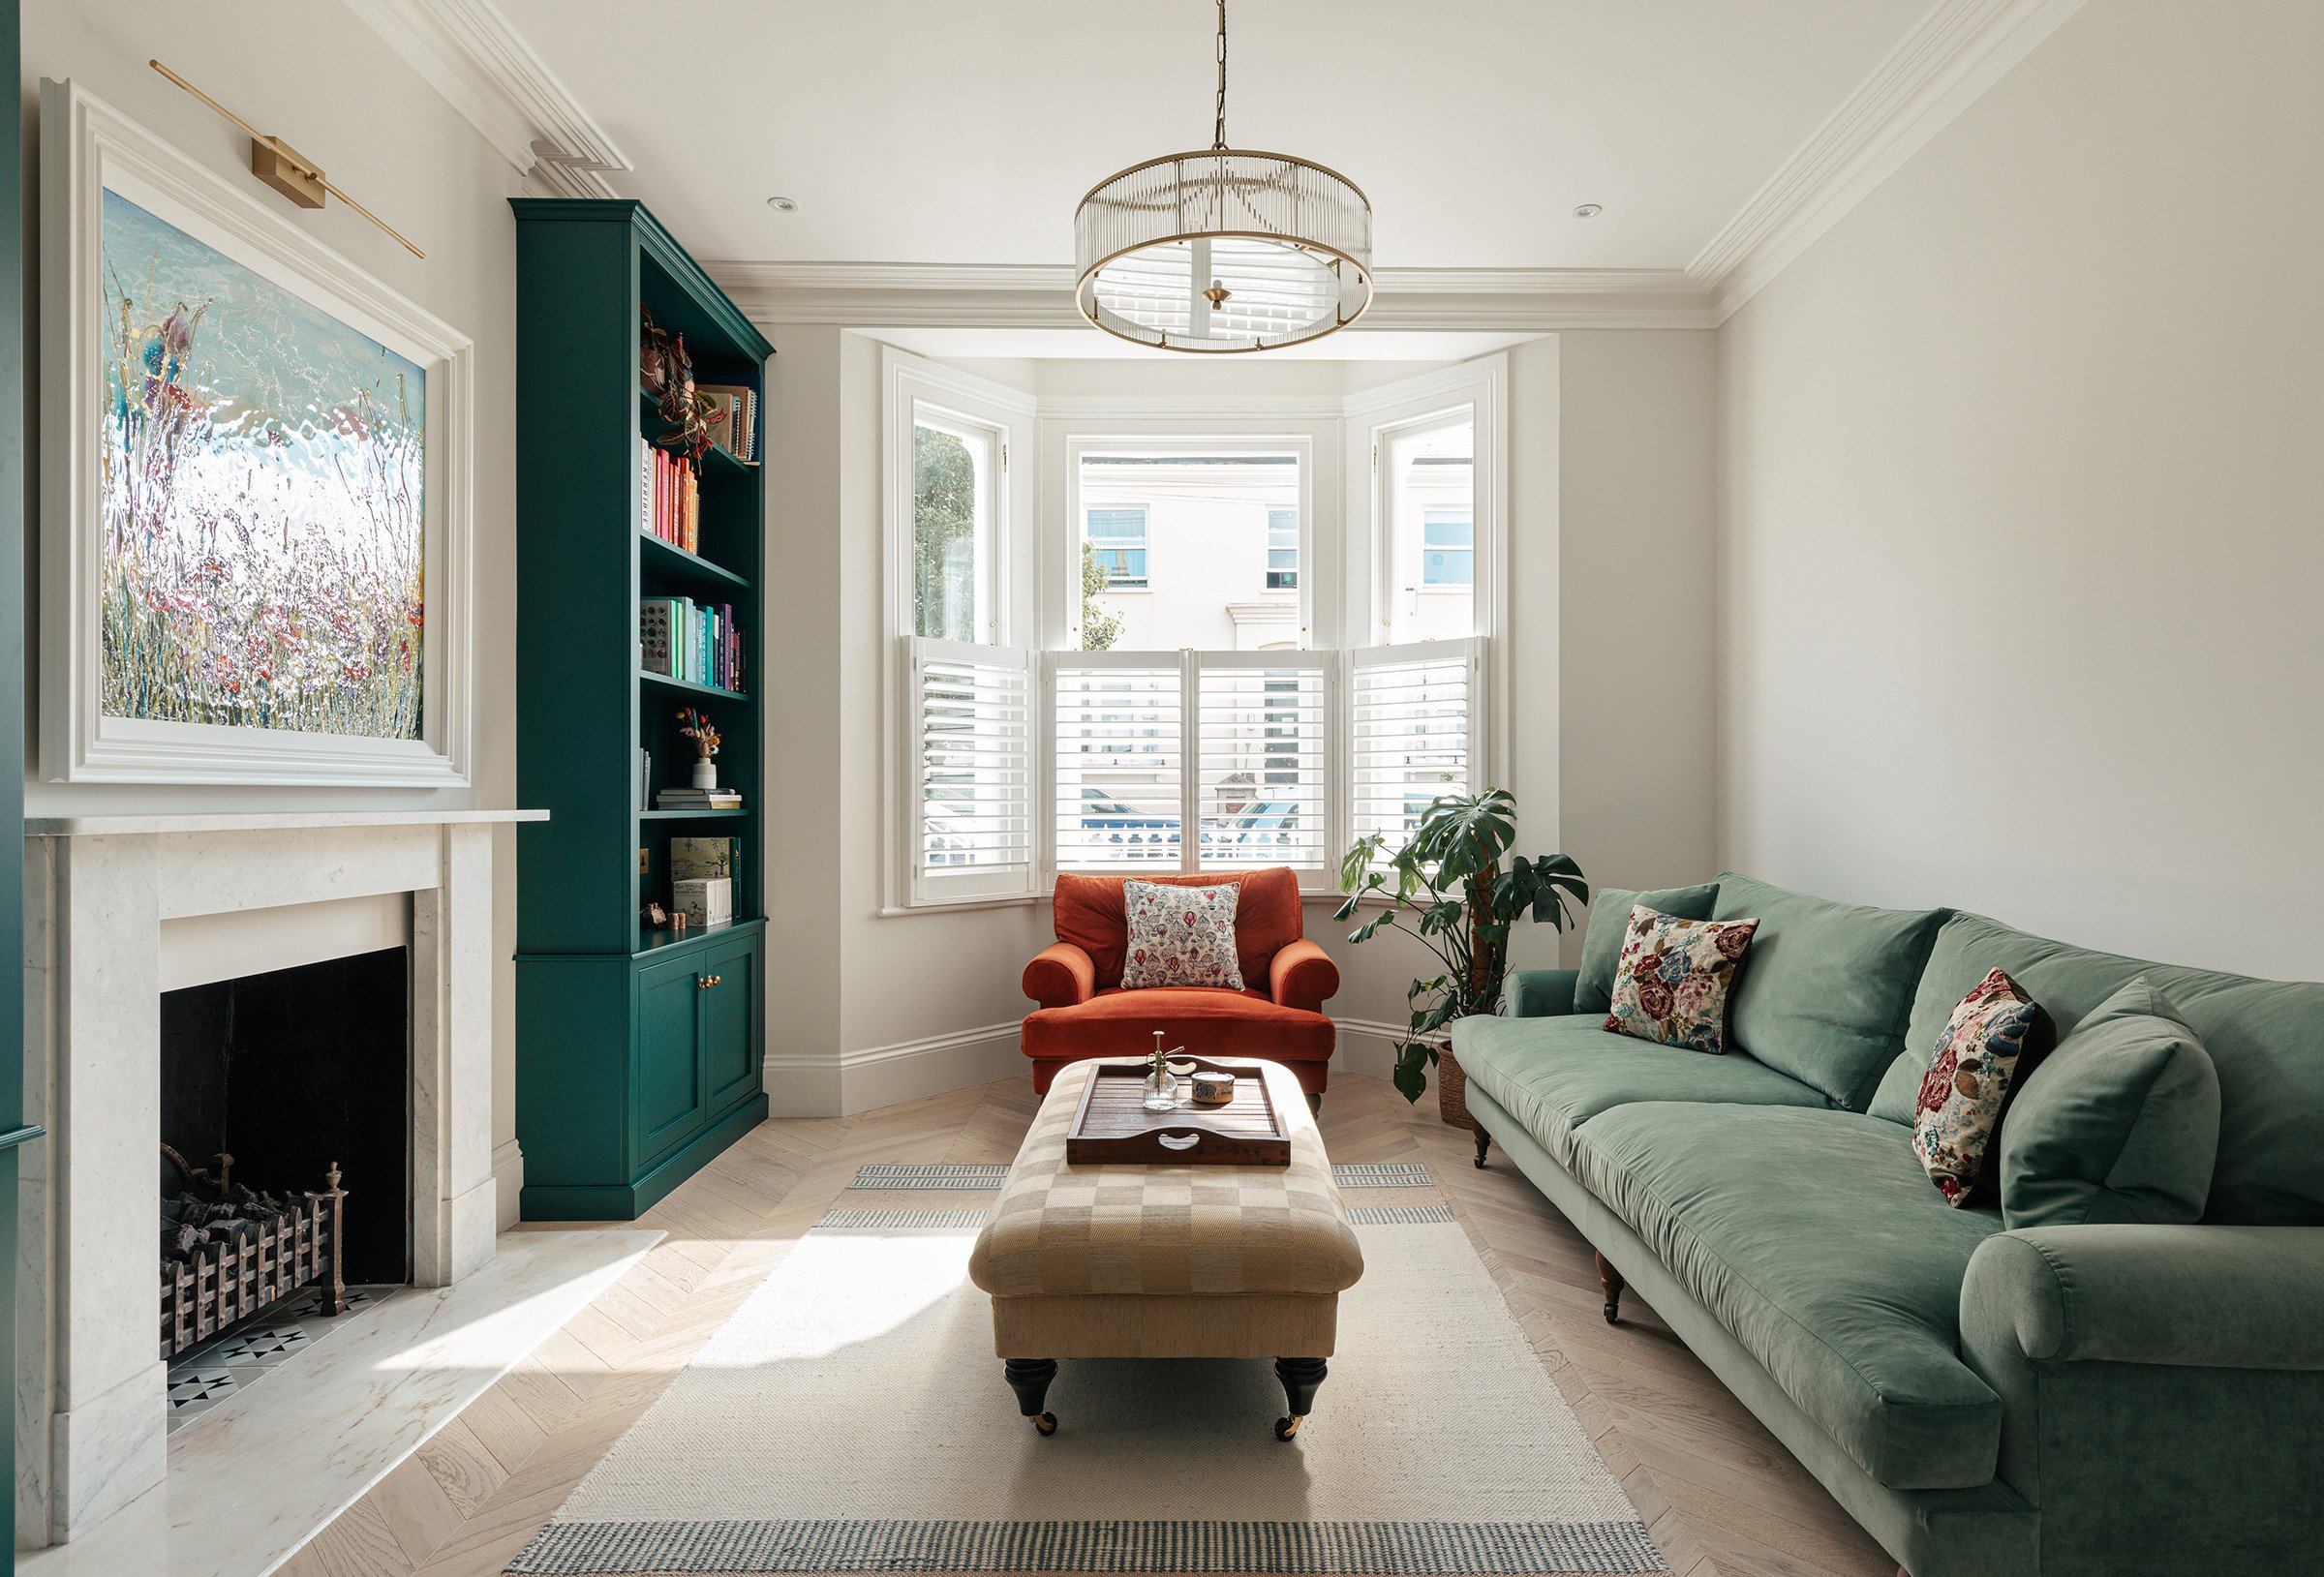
{"x": 1299, "y": 1376}
{"x": 1030, "y": 1379}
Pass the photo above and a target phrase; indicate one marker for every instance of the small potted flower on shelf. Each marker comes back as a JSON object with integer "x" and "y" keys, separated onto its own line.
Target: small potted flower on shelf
{"x": 697, "y": 727}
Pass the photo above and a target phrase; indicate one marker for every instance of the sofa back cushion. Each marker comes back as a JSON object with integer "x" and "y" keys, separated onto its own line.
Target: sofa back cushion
{"x": 2119, "y": 1124}
{"x": 2265, "y": 1037}
{"x": 1609, "y": 923}
{"x": 1828, "y": 988}
{"x": 1091, "y": 914}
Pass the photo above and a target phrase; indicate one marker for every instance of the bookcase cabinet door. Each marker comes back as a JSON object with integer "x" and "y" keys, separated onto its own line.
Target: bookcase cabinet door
{"x": 669, "y": 1072}
{"x": 728, "y": 1022}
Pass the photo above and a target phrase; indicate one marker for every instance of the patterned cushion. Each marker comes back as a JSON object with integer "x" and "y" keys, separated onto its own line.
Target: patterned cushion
{"x": 1969, "y": 1079}
{"x": 1671, "y": 984}
{"x": 1181, "y": 935}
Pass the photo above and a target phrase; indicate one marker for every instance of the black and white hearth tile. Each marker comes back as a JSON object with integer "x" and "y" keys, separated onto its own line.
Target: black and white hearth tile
{"x": 190, "y": 1383}
{"x": 265, "y": 1344}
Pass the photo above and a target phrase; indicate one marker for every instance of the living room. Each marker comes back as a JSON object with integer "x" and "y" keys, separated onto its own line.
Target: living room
{"x": 838, "y": 809}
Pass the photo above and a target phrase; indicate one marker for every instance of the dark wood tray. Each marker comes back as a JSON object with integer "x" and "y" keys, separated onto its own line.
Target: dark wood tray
{"x": 1114, "y": 1128}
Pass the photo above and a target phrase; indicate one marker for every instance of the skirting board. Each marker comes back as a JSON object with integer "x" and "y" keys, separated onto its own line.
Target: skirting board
{"x": 508, "y": 1183}
{"x": 803, "y": 1086}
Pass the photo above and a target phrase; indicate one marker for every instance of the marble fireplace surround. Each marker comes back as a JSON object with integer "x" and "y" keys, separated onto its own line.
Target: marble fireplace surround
{"x": 91, "y": 1414}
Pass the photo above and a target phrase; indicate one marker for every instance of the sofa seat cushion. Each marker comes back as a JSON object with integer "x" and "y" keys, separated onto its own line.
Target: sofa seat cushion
{"x": 1552, "y": 1074}
{"x": 1815, "y": 1239}
{"x": 1207, "y": 1020}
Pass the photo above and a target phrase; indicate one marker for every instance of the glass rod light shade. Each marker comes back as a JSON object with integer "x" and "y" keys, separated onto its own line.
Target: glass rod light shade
{"x": 1223, "y": 249}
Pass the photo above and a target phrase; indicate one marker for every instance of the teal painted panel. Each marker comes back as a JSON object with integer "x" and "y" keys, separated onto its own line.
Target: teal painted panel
{"x": 669, "y": 1070}
{"x": 729, "y": 1023}
{"x": 572, "y": 1069}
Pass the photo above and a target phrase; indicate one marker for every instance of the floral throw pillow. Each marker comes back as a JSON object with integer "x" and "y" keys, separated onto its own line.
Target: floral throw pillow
{"x": 1181, "y": 935}
{"x": 1673, "y": 982}
{"x": 1969, "y": 1078}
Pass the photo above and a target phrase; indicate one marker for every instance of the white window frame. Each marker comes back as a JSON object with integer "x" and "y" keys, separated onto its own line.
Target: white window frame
{"x": 911, "y": 390}
{"x": 1071, "y": 428}
{"x": 1376, "y": 416}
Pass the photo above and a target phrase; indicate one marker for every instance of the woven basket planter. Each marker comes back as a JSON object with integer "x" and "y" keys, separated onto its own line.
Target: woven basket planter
{"x": 1452, "y": 1091}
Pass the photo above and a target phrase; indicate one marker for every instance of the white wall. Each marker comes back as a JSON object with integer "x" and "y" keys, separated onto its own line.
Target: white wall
{"x": 319, "y": 77}
{"x": 2022, "y": 580}
{"x": 1612, "y": 498}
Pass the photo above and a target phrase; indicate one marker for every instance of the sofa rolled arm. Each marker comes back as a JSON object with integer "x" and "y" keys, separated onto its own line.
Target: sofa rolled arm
{"x": 1542, "y": 994}
{"x": 2212, "y": 1297}
{"x": 1303, "y": 975}
{"x": 1061, "y": 976}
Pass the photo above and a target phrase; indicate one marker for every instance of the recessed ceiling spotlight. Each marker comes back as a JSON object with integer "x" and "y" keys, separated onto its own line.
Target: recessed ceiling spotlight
{"x": 1588, "y": 210}
{"x": 781, "y": 205}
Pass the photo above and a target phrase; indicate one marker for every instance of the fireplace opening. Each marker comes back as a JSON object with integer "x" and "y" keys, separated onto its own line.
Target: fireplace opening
{"x": 292, "y": 1072}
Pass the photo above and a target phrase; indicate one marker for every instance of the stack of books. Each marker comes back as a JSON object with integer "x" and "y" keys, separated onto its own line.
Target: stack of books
{"x": 735, "y": 426}
{"x": 694, "y": 799}
{"x": 669, "y": 501}
{"x": 689, "y": 641}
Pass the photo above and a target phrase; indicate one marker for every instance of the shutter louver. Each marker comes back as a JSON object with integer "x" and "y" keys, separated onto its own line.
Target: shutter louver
{"x": 973, "y": 801}
{"x": 1264, "y": 771}
{"x": 1120, "y": 761}
{"x": 1410, "y": 739}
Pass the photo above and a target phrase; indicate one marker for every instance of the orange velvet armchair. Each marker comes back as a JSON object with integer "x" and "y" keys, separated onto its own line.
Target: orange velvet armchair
{"x": 1086, "y": 1013}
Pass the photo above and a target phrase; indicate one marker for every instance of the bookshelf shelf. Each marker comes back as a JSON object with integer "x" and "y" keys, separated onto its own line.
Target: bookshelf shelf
{"x": 667, "y": 561}
{"x": 688, "y": 687}
{"x": 639, "y": 1052}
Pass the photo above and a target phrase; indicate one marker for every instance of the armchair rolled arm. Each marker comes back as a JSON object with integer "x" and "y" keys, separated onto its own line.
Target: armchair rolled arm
{"x": 1061, "y": 976}
{"x": 2213, "y": 1297}
{"x": 1542, "y": 994}
{"x": 1303, "y": 975}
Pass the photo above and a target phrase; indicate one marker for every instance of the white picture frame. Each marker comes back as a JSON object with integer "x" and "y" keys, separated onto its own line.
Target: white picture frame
{"x": 87, "y": 148}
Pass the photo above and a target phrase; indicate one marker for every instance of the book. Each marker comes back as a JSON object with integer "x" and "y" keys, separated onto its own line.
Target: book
{"x": 654, "y": 616}
{"x": 736, "y": 431}
{"x": 703, "y": 858}
{"x": 669, "y": 801}
{"x": 704, "y": 900}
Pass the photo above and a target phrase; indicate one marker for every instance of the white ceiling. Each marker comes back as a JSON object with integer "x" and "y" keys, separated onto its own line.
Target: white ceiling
{"x": 964, "y": 131}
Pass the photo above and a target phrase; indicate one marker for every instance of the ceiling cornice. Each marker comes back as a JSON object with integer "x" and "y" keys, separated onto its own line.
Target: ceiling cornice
{"x": 1040, "y": 295}
{"x": 469, "y": 54}
{"x": 1957, "y": 51}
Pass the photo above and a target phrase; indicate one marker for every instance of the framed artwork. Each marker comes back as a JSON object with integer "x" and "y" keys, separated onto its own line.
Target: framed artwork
{"x": 255, "y": 486}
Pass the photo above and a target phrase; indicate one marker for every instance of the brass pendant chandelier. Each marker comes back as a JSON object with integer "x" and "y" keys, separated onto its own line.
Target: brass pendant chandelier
{"x": 1223, "y": 249}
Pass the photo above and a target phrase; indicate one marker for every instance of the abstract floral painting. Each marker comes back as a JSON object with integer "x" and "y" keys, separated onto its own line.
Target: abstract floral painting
{"x": 262, "y": 466}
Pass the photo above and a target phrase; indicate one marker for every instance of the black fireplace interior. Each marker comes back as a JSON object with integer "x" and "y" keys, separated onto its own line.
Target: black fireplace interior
{"x": 290, "y": 1071}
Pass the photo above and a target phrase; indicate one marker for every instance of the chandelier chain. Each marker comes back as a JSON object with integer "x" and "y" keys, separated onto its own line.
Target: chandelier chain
{"x": 1219, "y": 130}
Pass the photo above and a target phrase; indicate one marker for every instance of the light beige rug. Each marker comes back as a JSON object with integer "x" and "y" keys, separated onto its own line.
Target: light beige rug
{"x": 851, "y": 1417}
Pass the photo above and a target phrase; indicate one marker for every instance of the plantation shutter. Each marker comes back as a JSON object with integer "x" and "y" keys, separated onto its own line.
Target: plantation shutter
{"x": 1413, "y": 715}
{"x": 1264, "y": 775}
{"x": 970, "y": 819}
{"x": 1118, "y": 757}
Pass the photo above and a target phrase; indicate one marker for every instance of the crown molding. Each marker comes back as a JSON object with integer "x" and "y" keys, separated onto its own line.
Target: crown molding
{"x": 1040, "y": 295}
{"x": 1957, "y": 51}
{"x": 469, "y": 54}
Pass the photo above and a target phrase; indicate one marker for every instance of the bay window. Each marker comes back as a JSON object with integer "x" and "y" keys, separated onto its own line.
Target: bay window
{"x": 1183, "y": 697}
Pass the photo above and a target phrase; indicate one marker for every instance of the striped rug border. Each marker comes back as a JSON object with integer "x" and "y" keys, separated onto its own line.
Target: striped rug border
{"x": 844, "y": 1221}
{"x": 898, "y": 1175}
{"x": 1296, "y": 1549}
{"x": 1400, "y": 1215}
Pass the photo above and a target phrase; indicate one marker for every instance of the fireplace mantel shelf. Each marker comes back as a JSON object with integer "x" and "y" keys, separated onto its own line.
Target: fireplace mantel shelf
{"x": 260, "y": 821}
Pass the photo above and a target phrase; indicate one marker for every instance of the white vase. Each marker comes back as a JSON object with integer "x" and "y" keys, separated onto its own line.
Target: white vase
{"x": 706, "y": 773}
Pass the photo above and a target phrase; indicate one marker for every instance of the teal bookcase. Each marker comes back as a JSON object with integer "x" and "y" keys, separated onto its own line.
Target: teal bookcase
{"x": 639, "y": 1050}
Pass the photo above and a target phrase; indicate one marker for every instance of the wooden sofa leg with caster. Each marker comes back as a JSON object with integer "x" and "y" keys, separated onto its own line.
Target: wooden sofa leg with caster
{"x": 1611, "y": 1280}
{"x": 1484, "y": 1143}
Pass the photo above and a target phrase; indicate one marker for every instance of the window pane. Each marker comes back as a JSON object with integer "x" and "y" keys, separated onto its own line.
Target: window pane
{"x": 1189, "y": 547}
{"x": 1431, "y": 540}
{"x": 952, "y": 533}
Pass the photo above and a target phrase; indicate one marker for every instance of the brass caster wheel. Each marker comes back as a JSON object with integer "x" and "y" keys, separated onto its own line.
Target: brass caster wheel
{"x": 1286, "y": 1427}
{"x": 1045, "y": 1422}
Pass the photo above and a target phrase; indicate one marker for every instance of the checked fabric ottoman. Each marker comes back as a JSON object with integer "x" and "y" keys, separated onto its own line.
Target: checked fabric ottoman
{"x": 1163, "y": 1261}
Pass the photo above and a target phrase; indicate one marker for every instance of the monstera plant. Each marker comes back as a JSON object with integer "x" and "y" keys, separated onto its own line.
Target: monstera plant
{"x": 1457, "y": 883}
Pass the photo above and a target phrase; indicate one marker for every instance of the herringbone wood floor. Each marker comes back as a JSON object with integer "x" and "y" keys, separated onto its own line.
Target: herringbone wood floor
{"x": 1718, "y": 1491}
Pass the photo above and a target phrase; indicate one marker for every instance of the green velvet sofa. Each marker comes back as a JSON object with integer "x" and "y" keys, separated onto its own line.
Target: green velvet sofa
{"x": 2100, "y": 1399}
